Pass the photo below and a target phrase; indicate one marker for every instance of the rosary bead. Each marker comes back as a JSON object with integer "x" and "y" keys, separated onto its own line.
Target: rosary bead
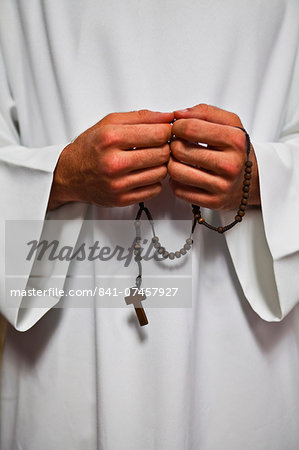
{"x": 157, "y": 245}
{"x": 246, "y": 183}
{"x": 155, "y": 239}
{"x": 137, "y": 252}
{"x": 248, "y": 163}
{"x": 248, "y": 170}
{"x": 189, "y": 241}
{"x": 242, "y": 207}
{"x": 196, "y": 216}
{"x": 220, "y": 229}
{"x": 183, "y": 251}
{"x": 137, "y": 246}
{"x": 248, "y": 176}
{"x": 201, "y": 220}
{"x": 171, "y": 255}
{"x": 138, "y": 258}
{"x": 244, "y": 201}
{"x": 161, "y": 250}
{"x": 187, "y": 247}
{"x": 178, "y": 254}
{"x": 241, "y": 213}
{"x": 245, "y": 195}
{"x": 238, "y": 218}
{"x": 165, "y": 255}
{"x": 246, "y": 189}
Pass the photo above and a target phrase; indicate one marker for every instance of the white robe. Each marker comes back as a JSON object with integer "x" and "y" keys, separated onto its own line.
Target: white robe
{"x": 224, "y": 373}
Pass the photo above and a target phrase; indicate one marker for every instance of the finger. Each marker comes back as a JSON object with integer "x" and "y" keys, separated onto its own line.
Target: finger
{"x": 116, "y": 163}
{"x": 205, "y": 158}
{"x": 139, "y": 195}
{"x": 195, "y": 196}
{"x": 145, "y": 177}
{"x": 128, "y": 136}
{"x": 209, "y": 113}
{"x": 191, "y": 176}
{"x": 142, "y": 116}
{"x": 215, "y": 135}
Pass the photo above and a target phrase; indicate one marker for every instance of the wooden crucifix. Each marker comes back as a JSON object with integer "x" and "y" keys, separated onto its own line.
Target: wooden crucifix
{"x": 135, "y": 298}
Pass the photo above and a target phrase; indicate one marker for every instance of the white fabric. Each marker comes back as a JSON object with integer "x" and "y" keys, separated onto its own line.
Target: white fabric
{"x": 219, "y": 375}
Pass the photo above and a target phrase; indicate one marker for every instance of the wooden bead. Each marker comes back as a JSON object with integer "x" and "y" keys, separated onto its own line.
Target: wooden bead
{"x": 183, "y": 251}
{"x": 178, "y": 254}
{"x": 187, "y": 247}
{"x": 189, "y": 241}
{"x": 242, "y": 207}
{"x": 165, "y": 255}
{"x": 201, "y": 220}
{"x": 248, "y": 176}
{"x": 171, "y": 255}
{"x": 220, "y": 229}
{"x": 245, "y": 189}
{"x": 245, "y": 195}
{"x": 157, "y": 245}
{"x": 244, "y": 201}
{"x": 138, "y": 258}
{"x": 155, "y": 239}
{"x": 196, "y": 216}
{"x": 137, "y": 246}
{"x": 248, "y": 163}
{"x": 238, "y": 218}
{"x": 246, "y": 183}
{"x": 161, "y": 250}
{"x": 241, "y": 213}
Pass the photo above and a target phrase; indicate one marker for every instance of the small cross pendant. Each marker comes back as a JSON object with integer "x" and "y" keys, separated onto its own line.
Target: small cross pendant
{"x": 135, "y": 298}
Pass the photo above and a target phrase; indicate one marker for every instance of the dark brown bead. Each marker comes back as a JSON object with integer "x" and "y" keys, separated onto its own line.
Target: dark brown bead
{"x": 242, "y": 207}
{"x": 238, "y": 218}
{"x": 246, "y": 183}
{"x": 246, "y": 189}
{"x": 248, "y": 163}
{"x": 248, "y": 176}
{"x": 241, "y": 213}
{"x": 157, "y": 245}
{"x": 245, "y": 195}
{"x": 201, "y": 220}
{"x": 220, "y": 230}
{"x": 155, "y": 239}
{"x": 244, "y": 201}
{"x": 178, "y": 254}
{"x": 196, "y": 216}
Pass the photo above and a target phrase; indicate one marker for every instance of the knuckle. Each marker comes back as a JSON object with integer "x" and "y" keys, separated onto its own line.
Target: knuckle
{"x": 142, "y": 113}
{"x": 116, "y": 186}
{"x": 109, "y": 137}
{"x": 177, "y": 149}
{"x": 238, "y": 140}
{"x": 112, "y": 166}
{"x": 203, "y": 109}
{"x": 190, "y": 128}
{"x": 162, "y": 134}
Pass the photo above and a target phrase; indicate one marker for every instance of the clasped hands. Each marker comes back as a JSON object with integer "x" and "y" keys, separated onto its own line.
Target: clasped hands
{"x": 123, "y": 158}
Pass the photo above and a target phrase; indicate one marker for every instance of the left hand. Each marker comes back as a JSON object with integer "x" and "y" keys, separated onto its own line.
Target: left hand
{"x": 210, "y": 175}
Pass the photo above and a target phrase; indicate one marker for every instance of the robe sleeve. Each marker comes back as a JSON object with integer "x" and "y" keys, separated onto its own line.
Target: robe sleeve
{"x": 265, "y": 247}
{"x": 25, "y": 182}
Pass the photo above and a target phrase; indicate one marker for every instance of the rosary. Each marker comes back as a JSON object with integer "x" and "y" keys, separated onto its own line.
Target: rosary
{"x": 136, "y": 295}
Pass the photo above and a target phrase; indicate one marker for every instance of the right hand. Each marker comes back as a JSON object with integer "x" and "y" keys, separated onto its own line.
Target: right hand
{"x": 101, "y": 167}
